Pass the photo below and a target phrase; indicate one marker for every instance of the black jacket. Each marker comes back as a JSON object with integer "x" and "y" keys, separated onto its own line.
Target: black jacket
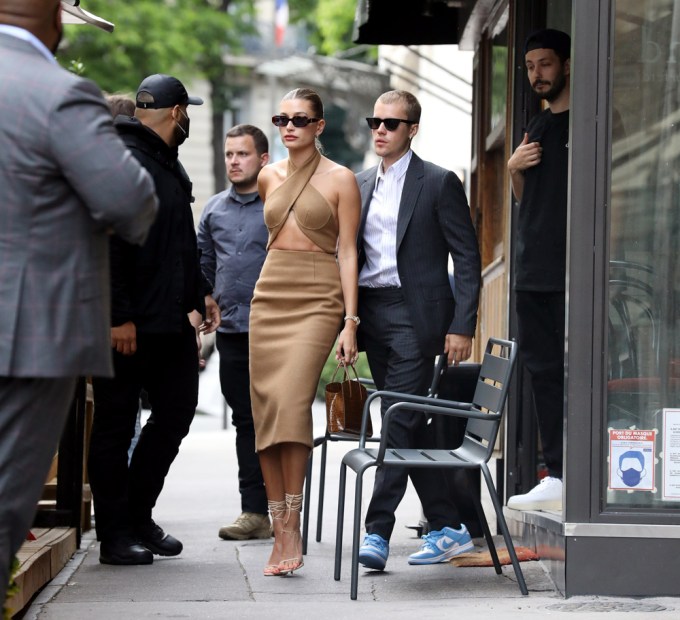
{"x": 156, "y": 285}
{"x": 433, "y": 223}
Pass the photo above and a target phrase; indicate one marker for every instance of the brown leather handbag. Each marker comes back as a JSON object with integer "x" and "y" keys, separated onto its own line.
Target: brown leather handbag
{"x": 345, "y": 404}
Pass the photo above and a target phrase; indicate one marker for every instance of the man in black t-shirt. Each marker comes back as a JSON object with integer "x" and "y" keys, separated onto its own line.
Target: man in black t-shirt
{"x": 538, "y": 171}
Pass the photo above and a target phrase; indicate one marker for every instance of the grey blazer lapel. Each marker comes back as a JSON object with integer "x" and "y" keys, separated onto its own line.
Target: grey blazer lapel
{"x": 413, "y": 185}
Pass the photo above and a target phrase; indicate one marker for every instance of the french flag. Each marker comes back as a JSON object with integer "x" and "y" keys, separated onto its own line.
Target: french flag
{"x": 280, "y": 21}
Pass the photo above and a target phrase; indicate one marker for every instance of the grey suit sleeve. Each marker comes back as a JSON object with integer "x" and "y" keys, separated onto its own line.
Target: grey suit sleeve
{"x": 456, "y": 223}
{"x": 117, "y": 191}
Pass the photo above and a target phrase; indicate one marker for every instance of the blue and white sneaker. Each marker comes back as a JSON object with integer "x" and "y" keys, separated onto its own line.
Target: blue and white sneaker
{"x": 442, "y": 545}
{"x": 374, "y": 551}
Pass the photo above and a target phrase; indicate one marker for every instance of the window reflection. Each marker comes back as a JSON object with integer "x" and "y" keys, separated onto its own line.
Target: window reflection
{"x": 498, "y": 74}
{"x": 644, "y": 327}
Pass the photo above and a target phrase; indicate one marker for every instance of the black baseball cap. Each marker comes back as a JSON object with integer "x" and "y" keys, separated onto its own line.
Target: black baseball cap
{"x": 549, "y": 39}
{"x": 163, "y": 91}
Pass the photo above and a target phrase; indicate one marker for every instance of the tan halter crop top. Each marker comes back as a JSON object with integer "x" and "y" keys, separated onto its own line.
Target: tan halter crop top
{"x": 314, "y": 215}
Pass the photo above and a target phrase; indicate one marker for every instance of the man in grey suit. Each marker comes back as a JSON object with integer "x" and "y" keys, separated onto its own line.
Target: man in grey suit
{"x": 414, "y": 215}
{"x": 66, "y": 181}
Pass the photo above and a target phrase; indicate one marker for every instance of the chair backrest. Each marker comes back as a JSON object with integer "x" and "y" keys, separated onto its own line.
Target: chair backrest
{"x": 492, "y": 390}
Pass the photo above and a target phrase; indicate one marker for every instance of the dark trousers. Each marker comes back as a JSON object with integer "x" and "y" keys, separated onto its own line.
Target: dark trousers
{"x": 166, "y": 366}
{"x": 32, "y": 416}
{"x": 235, "y": 382}
{"x": 540, "y": 327}
{"x": 397, "y": 364}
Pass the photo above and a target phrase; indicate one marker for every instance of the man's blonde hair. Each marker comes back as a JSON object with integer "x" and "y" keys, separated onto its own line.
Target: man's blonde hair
{"x": 407, "y": 99}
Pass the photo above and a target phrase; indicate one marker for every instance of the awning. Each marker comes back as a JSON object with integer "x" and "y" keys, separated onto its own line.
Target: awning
{"x": 414, "y": 22}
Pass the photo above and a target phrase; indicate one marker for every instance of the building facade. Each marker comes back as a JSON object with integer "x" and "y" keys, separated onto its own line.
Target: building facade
{"x": 619, "y": 531}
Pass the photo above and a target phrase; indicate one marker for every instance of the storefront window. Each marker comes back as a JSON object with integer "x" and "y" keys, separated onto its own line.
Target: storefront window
{"x": 642, "y": 471}
{"x": 498, "y": 74}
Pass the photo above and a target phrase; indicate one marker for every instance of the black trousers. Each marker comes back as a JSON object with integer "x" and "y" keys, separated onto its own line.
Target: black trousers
{"x": 397, "y": 364}
{"x": 235, "y": 383}
{"x": 540, "y": 327}
{"x": 166, "y": 366}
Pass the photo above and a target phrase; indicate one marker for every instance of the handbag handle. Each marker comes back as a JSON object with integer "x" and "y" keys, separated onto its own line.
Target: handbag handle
{"x": 346, "y": 372}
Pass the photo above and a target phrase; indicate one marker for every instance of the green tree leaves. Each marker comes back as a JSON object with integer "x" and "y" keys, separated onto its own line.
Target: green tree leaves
{"x": 182, "y": 37}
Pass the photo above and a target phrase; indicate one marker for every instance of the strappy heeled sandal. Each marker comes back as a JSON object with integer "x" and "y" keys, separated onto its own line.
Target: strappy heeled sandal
{"x": 290, "y": 565}
{"x": 277, "y": 510}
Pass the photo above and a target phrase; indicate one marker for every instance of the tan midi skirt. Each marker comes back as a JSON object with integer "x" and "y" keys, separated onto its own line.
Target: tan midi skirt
{"x": 295, "y": 317}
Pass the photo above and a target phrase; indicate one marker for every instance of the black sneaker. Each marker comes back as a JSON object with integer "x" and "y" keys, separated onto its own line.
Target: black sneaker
{"x": 157, "y": 541}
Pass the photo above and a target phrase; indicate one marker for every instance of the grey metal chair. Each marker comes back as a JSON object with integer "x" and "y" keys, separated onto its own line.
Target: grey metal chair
{"x": 483, "y": 415}
{"x": 323, "y": 440}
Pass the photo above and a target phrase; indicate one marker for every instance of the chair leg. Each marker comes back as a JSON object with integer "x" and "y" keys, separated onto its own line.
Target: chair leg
{"x": 340, "y": 521}
{"x": 487, "y": 534}
{"x": 504, "y": 529}
{"x": 322, "y": 489}
{"x": 356, "y": 532}
{"x": 307, "y": 501}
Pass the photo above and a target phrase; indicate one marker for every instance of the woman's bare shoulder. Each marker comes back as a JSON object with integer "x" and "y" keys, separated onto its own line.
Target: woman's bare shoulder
{"x": 275, "y": 169}
{"x": 337, "y": 170}
{"x": 268, "y": 179}
{"x": 271, "y": 176}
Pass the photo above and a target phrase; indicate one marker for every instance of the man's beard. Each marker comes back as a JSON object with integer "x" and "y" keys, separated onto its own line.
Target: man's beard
{"x": 245, "y": 182}
{"x": 555, "y": 89}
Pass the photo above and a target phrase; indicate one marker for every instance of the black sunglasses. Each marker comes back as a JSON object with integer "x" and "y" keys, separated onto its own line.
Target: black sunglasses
{"x": 281, "y": 120}
{"x": 391, "y": 124}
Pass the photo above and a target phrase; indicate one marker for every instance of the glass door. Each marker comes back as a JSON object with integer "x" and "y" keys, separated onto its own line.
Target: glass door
{"x": 642, "y": 438}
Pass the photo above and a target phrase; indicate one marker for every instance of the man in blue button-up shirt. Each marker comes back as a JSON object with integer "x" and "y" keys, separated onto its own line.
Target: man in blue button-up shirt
{"x": 232, "y": 237}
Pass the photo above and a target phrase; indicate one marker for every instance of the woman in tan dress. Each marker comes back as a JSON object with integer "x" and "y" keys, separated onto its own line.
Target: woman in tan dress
{"x": 307, "y": 285}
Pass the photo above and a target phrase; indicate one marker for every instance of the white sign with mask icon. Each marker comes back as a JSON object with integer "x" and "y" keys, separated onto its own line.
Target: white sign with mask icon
{"x": 631, "y": 459}
{"x": 671, "y": 455}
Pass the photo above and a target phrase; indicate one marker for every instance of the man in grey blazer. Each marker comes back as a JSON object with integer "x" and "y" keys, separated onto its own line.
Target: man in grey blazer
{"x": 414, "y": 215}
{"x": 66, "y": 182}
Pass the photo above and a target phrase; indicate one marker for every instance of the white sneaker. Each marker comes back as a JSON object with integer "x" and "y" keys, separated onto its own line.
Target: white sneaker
{"x": 547, "y": 495}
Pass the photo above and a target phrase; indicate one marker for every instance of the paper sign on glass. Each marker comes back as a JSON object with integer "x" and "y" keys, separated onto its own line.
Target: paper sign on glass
{"x": 631, "y": 459}
{"x": 671, "y": 455}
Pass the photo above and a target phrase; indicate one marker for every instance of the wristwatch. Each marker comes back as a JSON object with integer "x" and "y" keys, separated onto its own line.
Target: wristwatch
{"x": 354, "y": 318}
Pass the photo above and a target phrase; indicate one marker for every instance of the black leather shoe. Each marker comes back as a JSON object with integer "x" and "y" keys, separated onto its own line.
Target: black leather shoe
{"x": 157, "y": 541}
{"x": 125, "y": 551}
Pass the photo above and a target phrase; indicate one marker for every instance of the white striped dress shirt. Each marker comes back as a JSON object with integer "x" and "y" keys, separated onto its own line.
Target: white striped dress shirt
{"x": 380, "y": 230}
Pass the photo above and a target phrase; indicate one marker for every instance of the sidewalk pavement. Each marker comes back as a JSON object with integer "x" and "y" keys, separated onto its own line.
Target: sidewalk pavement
{"x": 223, "y": 579}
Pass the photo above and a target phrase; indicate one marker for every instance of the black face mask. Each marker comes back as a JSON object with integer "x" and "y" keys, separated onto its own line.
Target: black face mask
{"x": 182, "y": 130}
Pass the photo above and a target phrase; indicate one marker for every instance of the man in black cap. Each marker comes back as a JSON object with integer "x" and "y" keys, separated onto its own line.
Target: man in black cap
{"x": 154, "y": 289}
{"x": 539, "y": 171}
